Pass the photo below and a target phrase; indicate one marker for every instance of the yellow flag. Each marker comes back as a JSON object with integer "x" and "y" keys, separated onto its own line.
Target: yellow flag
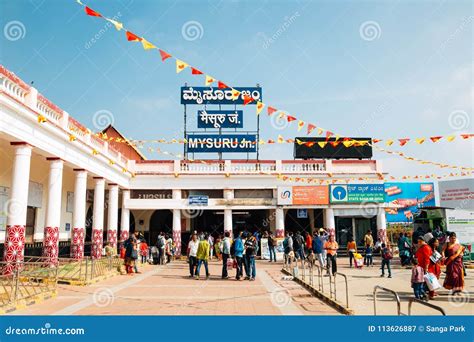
{"x": 118, "y": 26}
{"x": 280, "y": 139}
{"x": 348, "y": 143}
{"x": 261, "y": 142}
{"x": 209, "y": 80}
{"x": 299, "y": 142}
{"x": 320, "y": 131}
{"x": 389, "y": 142}
{"x": 420, "y": 140}
{"x": 260, "y": 106}
{"x": 147, "y": 45}
{"x": 235, "y": 94}
{"x": 300, "y": 125}
{"x": 281, "y": 116}
{"x": 450, "y": 138}
{"x": 322, "y": 143}
{"x": 180, "y": 66}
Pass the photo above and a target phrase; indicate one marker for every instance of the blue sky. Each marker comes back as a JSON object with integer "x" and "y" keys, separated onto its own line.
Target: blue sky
{"x": 312, "y": 58}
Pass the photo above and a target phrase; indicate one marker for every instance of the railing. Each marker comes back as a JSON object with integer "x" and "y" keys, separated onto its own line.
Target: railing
{"x": 304, "y": 167}
{"x": 12, "y": 85}
{"x": 22, "y": 281}
{"x": 395, "y": 294}
{"x": 49, "y": 110}
{"x": 432, "y": 306}
{"x": 347, "y": 287}
{"x": 85, "y": 270}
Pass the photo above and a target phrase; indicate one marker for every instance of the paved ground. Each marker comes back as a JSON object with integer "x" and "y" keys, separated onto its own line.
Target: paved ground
{"x": 167, "y": 290}
{"x": 361, "y": 286}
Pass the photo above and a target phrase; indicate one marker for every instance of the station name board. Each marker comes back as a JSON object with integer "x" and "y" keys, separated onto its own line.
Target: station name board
{"x": 222, "y": 143}
{"x": 220, "y": 119}
{"x": 211, "y": 95}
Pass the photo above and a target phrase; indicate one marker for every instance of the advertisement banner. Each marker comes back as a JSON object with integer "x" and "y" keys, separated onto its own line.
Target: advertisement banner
{"x": 214, "y": 95}
{"x": 303, "y": 195}
{"x": 222, "y": 143}
{"x": 456, "y": 194}
{"x": 220, "y": 119}
{"x": 404, "y": 200}
{"x": 462, "y": 223}
{"x": 357, "y": 193}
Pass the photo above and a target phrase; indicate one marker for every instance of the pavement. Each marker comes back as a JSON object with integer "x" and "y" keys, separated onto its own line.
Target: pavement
{"x": 168, "y": 290}
{"x": 361, "y": 283}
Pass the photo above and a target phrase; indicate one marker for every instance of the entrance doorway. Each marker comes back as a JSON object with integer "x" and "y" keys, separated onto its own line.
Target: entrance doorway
{"x": 210, "y": 221}
{"x": 343, "y": 230}
{"x": 294, "y": 224}
{"x": 250, "y": 220}
{"x": 30, "y": 224}
{"x": 160, "y": 221}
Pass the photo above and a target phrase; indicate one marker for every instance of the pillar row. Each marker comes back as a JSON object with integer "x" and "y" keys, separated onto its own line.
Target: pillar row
{"x": 79, "y": 214}
{"x": 279, "y": 222}
{"x": 125, "y": 217}
{"x": 329, "y": 221}
{"x": 177, "y": 222}
{"x": 98, "y": 218}
{"x": 112, "y": 220}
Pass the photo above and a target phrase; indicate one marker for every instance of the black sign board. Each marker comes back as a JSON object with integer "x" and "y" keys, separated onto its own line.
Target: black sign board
{"x": 310, "y": 148}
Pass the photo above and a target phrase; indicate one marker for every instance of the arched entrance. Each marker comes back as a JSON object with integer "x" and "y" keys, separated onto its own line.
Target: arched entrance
{"x": 160, "y": 221}
{"x": 131, "y": 223}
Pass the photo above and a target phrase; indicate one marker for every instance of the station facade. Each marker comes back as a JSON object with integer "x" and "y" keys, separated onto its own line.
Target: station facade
{"x": 60, "y": 184}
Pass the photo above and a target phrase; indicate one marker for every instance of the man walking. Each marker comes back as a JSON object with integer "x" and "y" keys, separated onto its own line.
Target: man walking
{"x": 331, "y": 248}
{"x": 250, "y": 252}
{"x": 192, "y": 253}
{"x": 225, "y": 254}
{"x": 271, "y": 247}
{"x": 203, "y": 256}
{"x": 238, "y": 250}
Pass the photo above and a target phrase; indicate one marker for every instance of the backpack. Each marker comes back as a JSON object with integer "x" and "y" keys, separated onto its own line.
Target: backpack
{"x": 160, "y": 243}
{"x": 387, "y": 254}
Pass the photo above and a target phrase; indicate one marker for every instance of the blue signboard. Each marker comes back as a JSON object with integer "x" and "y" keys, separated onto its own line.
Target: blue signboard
{"x": 198, "y": 200}
{"x": 302, "y": 213}
{"x": 222, "y": 143}
{"x": 357, "y": 193}
{"x": 214, "y": 95}
{"x": 404, "y": 200}
{"x": 220, "y": 119}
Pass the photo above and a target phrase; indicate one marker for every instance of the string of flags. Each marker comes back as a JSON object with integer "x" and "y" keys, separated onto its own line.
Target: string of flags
{"x": 210, "y": 80}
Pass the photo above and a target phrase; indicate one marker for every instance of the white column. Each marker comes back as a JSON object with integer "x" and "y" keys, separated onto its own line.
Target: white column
{"x": 98, "y": 218}
{"x": 79, "y": 214}
{"x": 329, "y": 221}
{"x": 177, "y": 222}
{"x": 279, "y": 222}
{"x": 228, "y": 221}
{"x": 112, "y": 220}
{"x": 125, "y": 218}
{"x": 381, "y": 226}
{"x": 16, "y": 207}
{"x": 53, "y": 211}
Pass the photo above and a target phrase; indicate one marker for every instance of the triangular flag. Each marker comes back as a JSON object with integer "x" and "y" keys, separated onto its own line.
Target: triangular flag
{"x": 195, "y": 71}
{"x": 348, "y": 143}
{"x": 404, "y": 141}
{"x": 91, "y": 12}
{"x": 389, "y": 142}
{"x": 271, "y": 110}
{"x": 117, "y": 25}
{"x": 320, "y": 131}
{"x": 247, "y": 99}
{"x": 310, "y": 143}
{"x": 209, "y": 80}
{"x": 261, "y": 142}
{"x": 300, "y": 125}
{"x": 322, "y": 144}
{"x": 420, "y": 140}
{"x": 299, "y": 142}
{"x": 450, "y": 138}
{"x": 280, "y": 139}
{"x": 290, "y": 118}
{"x": 270, "y": 141}
{"x": 222, "y": 85}
{"x": 260, "y": 106}
{"x": 334, "y": 143}
{"x": 132, "y": 37}
{"x": 375, "y": 141}
{"x": 235, "y": 94}
{"x": 147, "y": 45}
{"x": 180, "y": 66}
{"x": 328, "y": 135}
{"x": 164, "y": 55}
{"x": 467, "y": 136}
{"x": 311, "y": 127}
{"x": 436, "y": 139}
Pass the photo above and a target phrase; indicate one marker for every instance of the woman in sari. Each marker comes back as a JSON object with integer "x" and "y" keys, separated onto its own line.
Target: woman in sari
{"x": 453, "y": 252}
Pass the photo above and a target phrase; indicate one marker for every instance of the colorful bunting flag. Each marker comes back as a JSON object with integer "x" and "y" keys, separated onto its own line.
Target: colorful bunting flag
{"x": 147, "y": 45}
{"x": 180, "y": 66}
{"x": 311, "y": 127}
{"x": 195, "y": 71}
{"x": 247, "y": 99}
{"x": 436, "y": 139}
{"x": 260, "y": 106}
{"x": 118, "y": 26}
{"x": 209, "y": 80}
{"x": 420, "y": 140}
{"x": 389, "y": 142}
{"x": 290, "y": 118}
{"x": 300, "y": 125}
{"x": 403, "y": 141}
{"x": 235, "y": 94}
{"x": 222, "y": 85}
{"x": 322, "y": 144}
{"x": 164, "y": 55}
{"x": 271, "y": 110}
{"x": 91, "y": 12}
{"x": 450, "y": 138}
{"x": 132, "y": 37}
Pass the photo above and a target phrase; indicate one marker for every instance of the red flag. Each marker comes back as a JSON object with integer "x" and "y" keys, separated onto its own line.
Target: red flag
{"x": 376, "y": 140}
{"x": 435, "y": 139}
{"x": 290, "y": 118}
{"x": 270, "y": 141}
{"x": 334, "y": 143}
{"x": 194, "y": 71}
{"x": 403, "y": 141}
{"x": 164, "y": 55}
{"x": 309, "y": 143}
{"x": 271, "y": 110}
{"x": 132, "y": 37}
{"x": 311, "y": 127}
{"x": 222, "y": 85}
{"x": 92, "y": 13}
{"x": 328, "y": 135}
{"x": 467, "y": 136}
{"x": 247, "y": 99}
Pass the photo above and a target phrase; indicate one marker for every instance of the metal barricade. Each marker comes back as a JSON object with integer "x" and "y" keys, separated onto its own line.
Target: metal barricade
{"x": 395, "y": 294}
{"x": 432, "y": 306}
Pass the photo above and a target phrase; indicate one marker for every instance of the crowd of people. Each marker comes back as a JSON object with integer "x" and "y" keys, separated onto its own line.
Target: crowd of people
{"x": 425, "y": 252}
